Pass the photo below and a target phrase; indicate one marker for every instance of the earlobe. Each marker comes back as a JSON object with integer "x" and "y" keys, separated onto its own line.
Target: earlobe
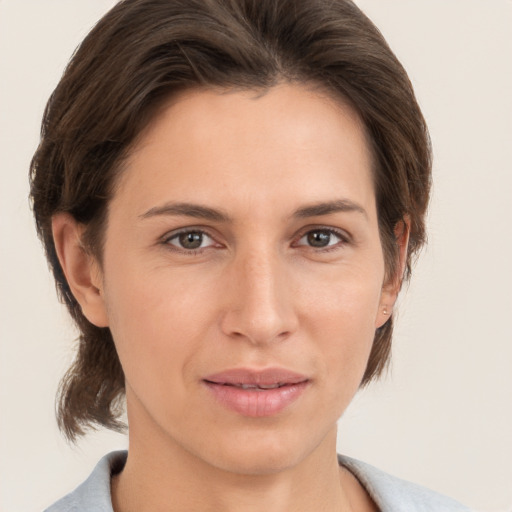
{"x": 81, "y": 269}
{"x": 392, "y": 286}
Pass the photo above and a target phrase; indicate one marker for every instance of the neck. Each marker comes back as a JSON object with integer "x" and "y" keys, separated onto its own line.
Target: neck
{"x": 160, "y": 475}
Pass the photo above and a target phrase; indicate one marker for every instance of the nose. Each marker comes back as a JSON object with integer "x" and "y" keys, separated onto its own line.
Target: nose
{"x": 259, "y": 300}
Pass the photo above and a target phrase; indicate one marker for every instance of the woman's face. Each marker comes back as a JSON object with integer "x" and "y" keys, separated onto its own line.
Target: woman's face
{"x": 243, "y": 275}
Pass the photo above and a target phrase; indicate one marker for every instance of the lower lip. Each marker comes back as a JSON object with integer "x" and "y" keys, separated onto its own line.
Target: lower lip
{"x": 257, "y": 403}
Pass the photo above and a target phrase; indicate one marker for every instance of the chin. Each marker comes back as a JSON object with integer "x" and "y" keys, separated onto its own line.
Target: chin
{"x": 257, "y": 462}
{"x": 262, "y": 453}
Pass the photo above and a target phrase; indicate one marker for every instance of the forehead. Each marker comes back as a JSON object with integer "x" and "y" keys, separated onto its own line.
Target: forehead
{"x": 206, "y": 141}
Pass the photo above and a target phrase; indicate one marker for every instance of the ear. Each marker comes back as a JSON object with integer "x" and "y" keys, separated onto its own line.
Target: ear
{"x": 392, "y": 286}
{"x": 81, "y": 269}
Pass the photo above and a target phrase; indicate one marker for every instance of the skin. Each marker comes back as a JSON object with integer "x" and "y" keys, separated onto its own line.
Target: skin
{"x": 256, "y": 294}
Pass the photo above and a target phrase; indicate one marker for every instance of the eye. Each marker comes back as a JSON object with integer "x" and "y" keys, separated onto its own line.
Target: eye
{"x": 190, "y": 240}
{"x": 321, "y": 238}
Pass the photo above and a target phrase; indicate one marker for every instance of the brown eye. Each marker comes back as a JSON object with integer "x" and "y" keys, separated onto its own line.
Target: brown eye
{"x": 321, "y": 238}
{"x": 190, "y": 240}
{"x": 318, "y": 238}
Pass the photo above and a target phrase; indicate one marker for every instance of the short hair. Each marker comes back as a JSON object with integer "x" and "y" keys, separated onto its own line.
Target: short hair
{"x": 144, "y": 51}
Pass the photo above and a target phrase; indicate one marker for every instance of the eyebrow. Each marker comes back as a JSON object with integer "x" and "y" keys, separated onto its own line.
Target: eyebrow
{"x": 326, "y": 208}
{"x": 188, "y": 210}
{"x": 205, "y": 212}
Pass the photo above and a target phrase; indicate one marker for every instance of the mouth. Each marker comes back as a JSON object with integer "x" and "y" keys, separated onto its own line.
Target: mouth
{"x": 257, "y": 393}
{"x": 253, "y": 387}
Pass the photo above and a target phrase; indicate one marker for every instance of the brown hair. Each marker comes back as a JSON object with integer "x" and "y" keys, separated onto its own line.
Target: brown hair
{"x": 143, "y": 51}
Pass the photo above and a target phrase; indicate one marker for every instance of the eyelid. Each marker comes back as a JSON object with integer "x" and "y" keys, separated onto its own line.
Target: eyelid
{"x": 166, "y": 239}
{"x": 345, "y": 238}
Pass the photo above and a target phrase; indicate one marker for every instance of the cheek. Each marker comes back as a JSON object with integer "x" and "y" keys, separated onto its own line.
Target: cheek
{"x": 157, "y": 323}
{"x": 343, "y": 310}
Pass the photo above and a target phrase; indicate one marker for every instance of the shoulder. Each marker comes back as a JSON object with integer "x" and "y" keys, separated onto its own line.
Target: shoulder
{"x": 392, "y": 494}
{"x": 94, "y": 493}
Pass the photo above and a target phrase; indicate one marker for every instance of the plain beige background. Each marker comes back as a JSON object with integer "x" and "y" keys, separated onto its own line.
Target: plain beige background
{"x": 443, "y": 415}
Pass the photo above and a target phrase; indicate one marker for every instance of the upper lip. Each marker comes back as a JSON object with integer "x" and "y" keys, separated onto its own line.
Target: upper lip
{"x": 255, "y": 377}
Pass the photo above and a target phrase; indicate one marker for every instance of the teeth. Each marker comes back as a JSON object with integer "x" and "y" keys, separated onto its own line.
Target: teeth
{"x": 249, "y": 386}
{"x": 259, "y": 386}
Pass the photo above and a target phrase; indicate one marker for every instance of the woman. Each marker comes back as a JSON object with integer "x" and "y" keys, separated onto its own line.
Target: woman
{"x": 230, "y": 194}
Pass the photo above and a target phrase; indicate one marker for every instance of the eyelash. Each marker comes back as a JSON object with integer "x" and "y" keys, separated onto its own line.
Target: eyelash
{"x": 189, "y": 252}
{"x": 344, "y": 239}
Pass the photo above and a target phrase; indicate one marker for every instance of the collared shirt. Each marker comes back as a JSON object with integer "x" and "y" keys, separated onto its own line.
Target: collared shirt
{"x": 390, "y": 494}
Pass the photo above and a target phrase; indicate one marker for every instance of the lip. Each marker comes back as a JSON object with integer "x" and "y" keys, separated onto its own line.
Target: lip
{"x": 257, "y": 393}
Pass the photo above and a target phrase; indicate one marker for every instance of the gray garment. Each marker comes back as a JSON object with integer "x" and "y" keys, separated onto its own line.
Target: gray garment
{"x": 389, "y": 493}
